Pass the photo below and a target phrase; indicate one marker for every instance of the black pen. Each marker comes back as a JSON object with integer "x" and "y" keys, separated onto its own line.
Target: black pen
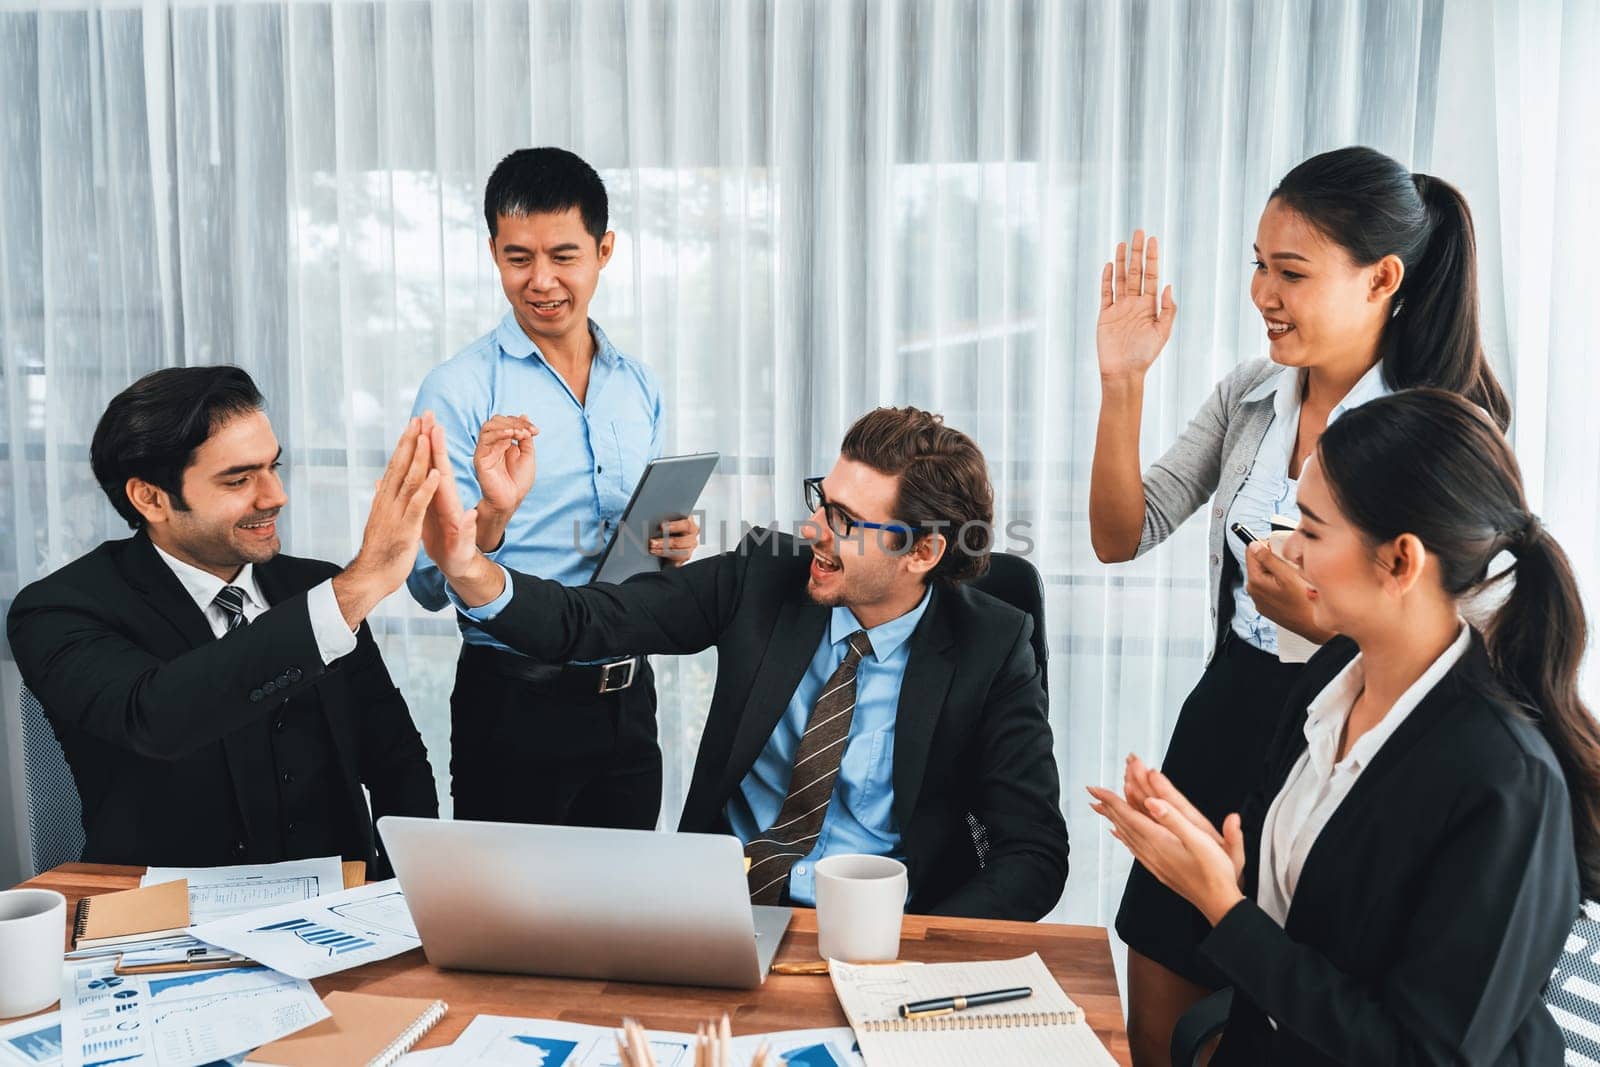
{"x": 922, "y": 1009}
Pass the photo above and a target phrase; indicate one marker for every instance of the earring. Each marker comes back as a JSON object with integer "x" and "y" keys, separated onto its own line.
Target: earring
{"x": 1399, "y": 302}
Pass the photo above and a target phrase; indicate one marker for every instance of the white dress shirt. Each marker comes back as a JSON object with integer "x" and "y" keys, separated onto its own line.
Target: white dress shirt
{"x": 334, "y": 637}
{"x": 1317, "y": 785}
{"x": 1268, "y": 490}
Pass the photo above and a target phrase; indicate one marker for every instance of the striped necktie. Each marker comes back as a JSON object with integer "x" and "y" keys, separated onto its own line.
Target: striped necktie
{"x": 230, "y": 598}
{"x": 816, "y": 767}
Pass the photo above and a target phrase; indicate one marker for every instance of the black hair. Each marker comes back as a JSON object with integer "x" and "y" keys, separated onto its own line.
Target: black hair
{"x": 536, "y": 181}
{"x": 1429, "y": 463}
{"x": 1372, "y": 206}
{"x": 151, "y": 429}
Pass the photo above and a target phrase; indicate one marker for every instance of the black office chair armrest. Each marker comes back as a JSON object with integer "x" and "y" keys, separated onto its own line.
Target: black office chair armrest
{"x": 1199, "y": 1025}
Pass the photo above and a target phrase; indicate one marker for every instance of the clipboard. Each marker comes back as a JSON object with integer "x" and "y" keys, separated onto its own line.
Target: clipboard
{"x": 669, "y": 489}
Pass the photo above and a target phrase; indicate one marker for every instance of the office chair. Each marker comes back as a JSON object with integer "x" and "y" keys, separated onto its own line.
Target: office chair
{"x": 1572, "y": 997}
{"x": 1015, "y": 581}
{"x": 1572, "y": 993}
{"x": 55, "y": 814}
{"x": 1199, "y": 1025}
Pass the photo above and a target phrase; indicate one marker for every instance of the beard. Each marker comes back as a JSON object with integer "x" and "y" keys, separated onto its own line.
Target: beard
{"x": 853, "y": 587}
{"x": 222, "y": 546}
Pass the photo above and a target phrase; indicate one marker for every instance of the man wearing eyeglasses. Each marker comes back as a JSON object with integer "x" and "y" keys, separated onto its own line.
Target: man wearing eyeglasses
{"x": 867, "y": 700}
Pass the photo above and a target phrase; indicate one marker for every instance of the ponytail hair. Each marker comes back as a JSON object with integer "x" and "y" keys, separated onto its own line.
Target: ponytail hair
{"x": 1372, "y": 206}
{"x": 1427, "y": 462}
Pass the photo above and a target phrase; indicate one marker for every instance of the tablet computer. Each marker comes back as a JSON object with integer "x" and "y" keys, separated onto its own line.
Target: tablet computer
{"x": 669, "y": 490}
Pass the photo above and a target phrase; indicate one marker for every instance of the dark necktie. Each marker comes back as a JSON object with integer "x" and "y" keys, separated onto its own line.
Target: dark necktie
{"x": 816, "y": 767}
{"x": 231, "y": 600}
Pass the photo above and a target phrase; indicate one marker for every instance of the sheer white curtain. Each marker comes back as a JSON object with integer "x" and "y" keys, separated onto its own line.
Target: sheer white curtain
{"x": 821, "y": 207}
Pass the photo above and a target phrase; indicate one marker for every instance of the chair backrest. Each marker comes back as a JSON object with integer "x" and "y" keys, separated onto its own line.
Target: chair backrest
{"x": 55, "y": 814}
{"x": 1017, "y": 582}
{"x": 1573, "y": 995}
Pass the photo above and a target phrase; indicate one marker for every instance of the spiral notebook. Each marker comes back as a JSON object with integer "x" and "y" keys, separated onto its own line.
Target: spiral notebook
{"x": 131, "y": 917}
{"x": 364, "y": 1029}
{"x": 1046, "y": 1027}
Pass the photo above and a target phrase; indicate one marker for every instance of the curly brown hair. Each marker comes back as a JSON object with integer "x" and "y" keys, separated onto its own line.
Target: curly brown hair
{"x": 944, "y": 483}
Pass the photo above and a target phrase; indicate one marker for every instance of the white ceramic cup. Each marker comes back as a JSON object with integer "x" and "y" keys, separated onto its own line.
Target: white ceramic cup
{"x": 860, "y": 900}
{"x": 1292, "y": 648}
{"x": 33, "y": 924}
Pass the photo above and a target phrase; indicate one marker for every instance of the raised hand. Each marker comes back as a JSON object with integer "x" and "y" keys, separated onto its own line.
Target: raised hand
{"x": 394, "y": 524}
{"x": 450, "y": 535}
{"x": 1133, "y": 326}
{"x": 504, "y": 463}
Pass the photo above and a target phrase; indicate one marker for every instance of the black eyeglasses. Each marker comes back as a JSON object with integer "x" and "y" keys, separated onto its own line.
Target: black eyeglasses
{"x": 841, "y": 522}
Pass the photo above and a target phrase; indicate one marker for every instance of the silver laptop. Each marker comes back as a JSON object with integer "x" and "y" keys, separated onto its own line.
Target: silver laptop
{"x": 584, "y": 903}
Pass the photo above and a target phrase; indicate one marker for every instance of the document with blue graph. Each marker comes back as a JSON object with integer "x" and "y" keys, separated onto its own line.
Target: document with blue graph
{"x": 325, "y": 935}
{"x": 34, "y": 1042}
{"x": 503, "y": 1041}
{"x": 178, "y": 1020}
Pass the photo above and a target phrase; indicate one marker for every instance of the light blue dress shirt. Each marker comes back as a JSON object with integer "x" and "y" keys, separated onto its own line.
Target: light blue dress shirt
{"x": 1268, "y": 490}
{"x": 860, "y": 816}
{"x": 591, "y": 455}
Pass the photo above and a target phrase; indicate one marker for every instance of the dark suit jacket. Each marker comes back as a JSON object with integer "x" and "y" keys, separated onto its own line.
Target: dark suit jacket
{"x": 971, "y": 734}
{"x": 1433, "y": 905}
{"x": 158, "y": 717}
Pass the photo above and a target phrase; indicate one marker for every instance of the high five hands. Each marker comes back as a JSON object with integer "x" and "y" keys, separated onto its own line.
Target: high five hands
{"x": 450, "y": 534}
{"x": 399, "y": 504}
{"x": 1133, "y": 327}
{"x": 1174, "y": 840}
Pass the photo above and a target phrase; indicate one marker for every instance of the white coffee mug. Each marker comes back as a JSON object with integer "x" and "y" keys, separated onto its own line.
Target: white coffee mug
{"x": 33, "y": 924}
{"x": 859, "y": 903}
{"x": 1292, "y": 648}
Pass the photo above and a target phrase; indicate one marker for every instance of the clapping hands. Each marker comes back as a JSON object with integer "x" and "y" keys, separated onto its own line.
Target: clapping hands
{"x": 1174, "y": 840}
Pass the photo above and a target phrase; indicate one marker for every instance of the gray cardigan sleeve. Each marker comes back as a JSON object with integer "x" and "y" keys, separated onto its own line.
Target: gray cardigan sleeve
{"x": 1177, "y": 484}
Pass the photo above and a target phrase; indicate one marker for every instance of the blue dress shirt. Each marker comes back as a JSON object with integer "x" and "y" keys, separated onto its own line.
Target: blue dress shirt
{"x": 860, "y": 816}
{"x": 1268, "y": 490}
{"x": 591, "y": 454}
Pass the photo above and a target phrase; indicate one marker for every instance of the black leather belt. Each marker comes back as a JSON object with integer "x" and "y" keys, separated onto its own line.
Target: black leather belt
{"x": 580, "y": 677}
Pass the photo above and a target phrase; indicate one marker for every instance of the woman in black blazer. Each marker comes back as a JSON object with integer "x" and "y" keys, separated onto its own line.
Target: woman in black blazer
{"x": 1401, "y": 884}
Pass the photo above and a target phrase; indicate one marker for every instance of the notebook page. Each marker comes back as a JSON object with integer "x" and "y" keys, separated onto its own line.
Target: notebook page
{"x": 1059, "y": 1046}
{"x": 871, "y": 996}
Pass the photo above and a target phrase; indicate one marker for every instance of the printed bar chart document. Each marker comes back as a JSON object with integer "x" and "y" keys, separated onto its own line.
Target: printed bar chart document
{"x": 34, "y": 1042}
{"x": 502, "y": 1041}
{"x": 177, "y": 1020}
{"x": 313, "y": 938}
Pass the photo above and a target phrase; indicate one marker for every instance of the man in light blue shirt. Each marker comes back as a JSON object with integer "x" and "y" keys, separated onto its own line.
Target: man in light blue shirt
{"x": 567, "y": 744}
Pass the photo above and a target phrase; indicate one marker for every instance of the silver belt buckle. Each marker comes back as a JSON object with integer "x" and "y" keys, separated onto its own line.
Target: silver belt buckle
{"x": 617, "y": 676}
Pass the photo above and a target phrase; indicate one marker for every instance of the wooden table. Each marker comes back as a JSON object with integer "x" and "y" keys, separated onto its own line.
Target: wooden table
{"x": 1079, "y": 956}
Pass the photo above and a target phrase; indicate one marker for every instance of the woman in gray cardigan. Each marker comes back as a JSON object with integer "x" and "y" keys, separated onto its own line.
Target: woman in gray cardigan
{"x": 1366, "y": 277}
